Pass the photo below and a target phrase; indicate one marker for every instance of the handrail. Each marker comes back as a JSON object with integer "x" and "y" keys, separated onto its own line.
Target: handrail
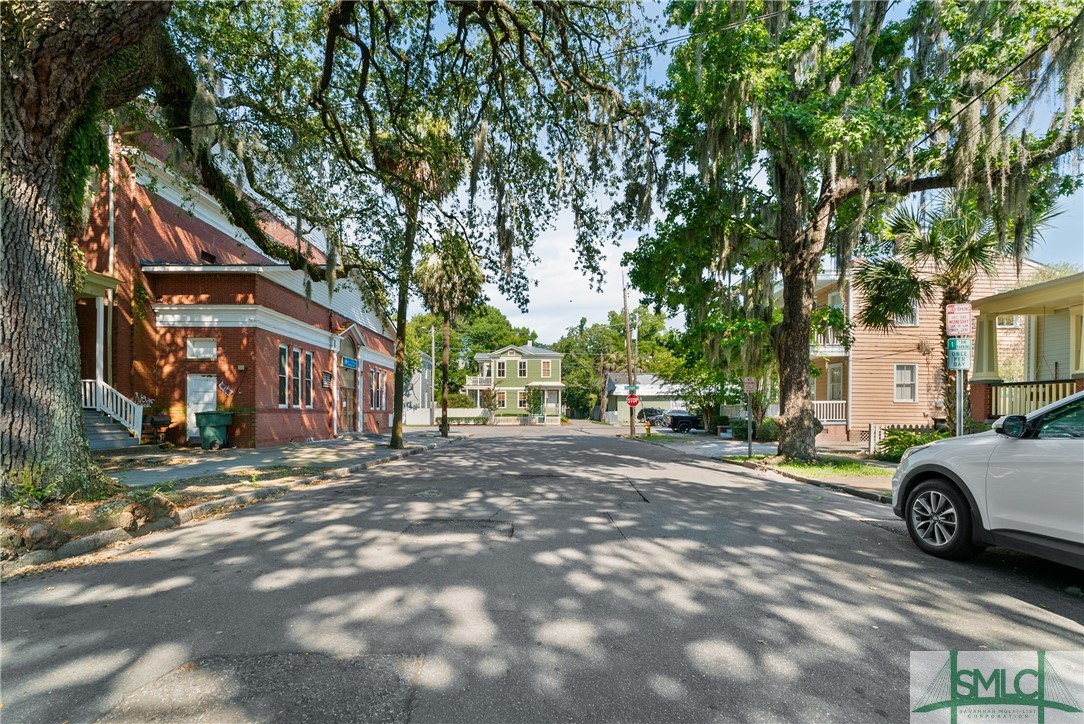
{"x": 1020, "y": 398}
{"x": 97, "y": 395}
{"x": 830, "y": 410}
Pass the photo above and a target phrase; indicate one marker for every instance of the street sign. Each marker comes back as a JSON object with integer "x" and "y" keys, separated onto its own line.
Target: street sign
{"x": 750, "y": 384}
{"x": 632, "y": 388}
{"x": 958, "y": 320}
{"x": 633, "y": 400}
{"x": 959, "y": 353}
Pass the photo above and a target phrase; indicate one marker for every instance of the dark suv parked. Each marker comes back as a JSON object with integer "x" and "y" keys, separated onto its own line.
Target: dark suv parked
{"x": 646, "y": 413}
{"x": 682, "y": 421}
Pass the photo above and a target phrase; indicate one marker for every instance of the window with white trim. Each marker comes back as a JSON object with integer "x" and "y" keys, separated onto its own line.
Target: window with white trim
{"x": 835, "y": 300}
{"x": 906, "y": 383}
{"x": 835, "y": 382}
{"x": 201, "y": 348}
{"x": 502, "y": 399}
{"x": 907, "y": 319}
{"x": 295, "y": 370}
{"x": 308, "y": 380}
{"x": 383, "y": 390}
{"x": 547, "y": 368}
{"x": 284, "y": 379}
{"x": 522, "y": 400}
{"x": 378, "y": 389}
{"x": 500, "y": 369}
{"x": 523, "y": 368}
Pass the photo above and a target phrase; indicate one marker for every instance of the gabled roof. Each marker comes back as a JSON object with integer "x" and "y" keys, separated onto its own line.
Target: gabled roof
{"x": 523, "y": 350}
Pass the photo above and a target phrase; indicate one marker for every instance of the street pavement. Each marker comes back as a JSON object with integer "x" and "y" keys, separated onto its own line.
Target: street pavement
{"x": 523, "y": 575}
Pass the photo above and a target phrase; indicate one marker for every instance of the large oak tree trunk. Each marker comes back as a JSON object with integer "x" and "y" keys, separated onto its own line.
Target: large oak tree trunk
{"x": 52, "y": 54}
{"x": 800, "y": 251}
{"x": 406, "y": 265}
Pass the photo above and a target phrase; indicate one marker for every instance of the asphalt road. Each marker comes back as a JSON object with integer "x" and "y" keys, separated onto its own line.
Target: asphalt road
{"x": 523, "y": 575}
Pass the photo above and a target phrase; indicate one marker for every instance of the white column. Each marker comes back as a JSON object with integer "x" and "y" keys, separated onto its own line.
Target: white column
{"x": 99, "y": 341}
{"x": 1076, "y": 342}
{"x": 985, "y": 361}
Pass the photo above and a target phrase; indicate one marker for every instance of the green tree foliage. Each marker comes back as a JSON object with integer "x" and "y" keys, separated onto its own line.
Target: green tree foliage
{"x": 791, "y": 128}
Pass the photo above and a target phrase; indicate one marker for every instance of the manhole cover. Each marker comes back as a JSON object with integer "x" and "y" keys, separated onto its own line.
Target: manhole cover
{"x": 276, "y": 688}
{"x": 461, "y": 527}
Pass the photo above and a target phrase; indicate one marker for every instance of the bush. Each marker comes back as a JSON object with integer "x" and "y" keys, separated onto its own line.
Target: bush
{"x": 895, "y": 442}
{"x": 458, "y": 400}
{"x": 768, "y": 430}
{"x": 723, "y": 421}
{"x": 738, "y": 428}
{"x": 973, "y": 426}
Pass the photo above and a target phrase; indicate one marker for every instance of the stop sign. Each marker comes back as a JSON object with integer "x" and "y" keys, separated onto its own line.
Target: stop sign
{"x": 633, "y": 400}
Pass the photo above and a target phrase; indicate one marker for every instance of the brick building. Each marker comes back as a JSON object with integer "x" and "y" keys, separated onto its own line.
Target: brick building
{"x": 181, "y": 313}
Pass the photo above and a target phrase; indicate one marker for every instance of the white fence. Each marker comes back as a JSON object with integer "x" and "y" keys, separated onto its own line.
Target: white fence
{"x": 97, "y": 395}
{"x": 420, "y": 416}
{"x": 877, "y": 432}
{"x": 830, "y": 410}
{"x": 1020, "y": 398}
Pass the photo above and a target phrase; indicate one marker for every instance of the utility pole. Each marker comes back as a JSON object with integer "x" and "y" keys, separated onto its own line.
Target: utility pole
{"x": 628, "y": 354}
{"x": 601, "y": 386}
{"x": 432, "y": 375}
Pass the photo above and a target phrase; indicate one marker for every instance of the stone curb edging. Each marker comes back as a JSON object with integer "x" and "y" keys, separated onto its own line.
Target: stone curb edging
{"x": 857, "y": 492}
{"x": 103, "y": 538}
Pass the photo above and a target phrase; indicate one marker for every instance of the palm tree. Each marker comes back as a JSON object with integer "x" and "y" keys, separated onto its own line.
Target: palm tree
{"x": 450, "y": 282}
{"x": 940, "y": 249}
{"x": 424, "y": 165}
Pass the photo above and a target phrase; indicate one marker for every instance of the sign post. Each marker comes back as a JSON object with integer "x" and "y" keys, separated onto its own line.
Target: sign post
{"x": 959, "y": 359}
{"x": 958, "y": 322}
{"x": 750, "y": 384}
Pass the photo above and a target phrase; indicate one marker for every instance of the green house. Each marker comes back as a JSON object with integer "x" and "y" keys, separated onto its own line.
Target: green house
{"x": 512, "y": 372}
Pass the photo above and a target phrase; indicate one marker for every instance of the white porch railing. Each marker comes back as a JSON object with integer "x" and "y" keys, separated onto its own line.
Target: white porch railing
{"x": 828, "y": 344}
{"x": 830, "y": 410}
{"x": 479, "y": 382}
{"x": 97, "y": 395}
{"x": 1020, "y": 398}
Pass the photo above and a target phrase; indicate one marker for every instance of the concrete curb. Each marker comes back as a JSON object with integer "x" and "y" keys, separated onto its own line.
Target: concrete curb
{"x": 104, "y": 538}
{"x": 857, "y": 492}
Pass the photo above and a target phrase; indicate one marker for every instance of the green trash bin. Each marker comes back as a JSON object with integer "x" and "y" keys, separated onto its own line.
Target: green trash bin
{"x": 212, "y": 428}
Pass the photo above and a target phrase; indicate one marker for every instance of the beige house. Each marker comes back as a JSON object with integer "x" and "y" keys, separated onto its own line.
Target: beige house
{"x": 1051, "y": 353}
{"x": 895, "y": 377}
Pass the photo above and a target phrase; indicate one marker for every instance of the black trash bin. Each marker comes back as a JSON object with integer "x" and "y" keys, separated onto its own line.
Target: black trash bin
{"x": 213, "y": 427}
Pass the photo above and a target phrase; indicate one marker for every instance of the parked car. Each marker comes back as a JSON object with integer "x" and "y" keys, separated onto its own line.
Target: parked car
{"x": 646, "y": 413}
{"x": 682, "y": 421}
{"x": 1018, "y": 486}
{"x": 656, "y": 420}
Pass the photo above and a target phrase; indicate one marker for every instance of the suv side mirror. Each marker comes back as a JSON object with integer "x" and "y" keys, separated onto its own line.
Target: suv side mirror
{"x": 1012, "y": 425}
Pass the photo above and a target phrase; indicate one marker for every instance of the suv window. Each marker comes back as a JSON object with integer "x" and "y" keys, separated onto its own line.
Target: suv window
{"x": 1067, "y": 422}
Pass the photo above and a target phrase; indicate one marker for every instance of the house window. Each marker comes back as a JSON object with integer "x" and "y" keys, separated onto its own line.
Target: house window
{"x": 501, "y": 399}
{"x": 835, "y": 300}
{"x": 906, "y": 383}
{"x": 547, "y": 368}
{"x": 500, "y": 369}
{"x": 1011, "y": 322}
{"x": 908, "y": 319}
{"x": 295, "y": 369}
{"x": 378, "y": 390}
{"x": 523, "y": 368}
{"x": 207, "y": 257}
{"x": 200, "y": 348}
{"x": 308, "y": 379}
{"x": 523, "y": 400}
{"x": 835, "y": 382}
{"x": 283, "y": 377}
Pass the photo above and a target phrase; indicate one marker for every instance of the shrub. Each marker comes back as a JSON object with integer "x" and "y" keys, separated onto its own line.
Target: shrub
{"x": 724, "y": 421}
{"x": 895, "y": 442}
{"x": 973, "y": 426}
{"x": 458, "y": 400}
{"x": 768, "y": 430}
{"x": 738, "y": 428}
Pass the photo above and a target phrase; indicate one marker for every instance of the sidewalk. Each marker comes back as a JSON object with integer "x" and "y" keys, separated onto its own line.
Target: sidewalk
{"x": 184, "y": 464}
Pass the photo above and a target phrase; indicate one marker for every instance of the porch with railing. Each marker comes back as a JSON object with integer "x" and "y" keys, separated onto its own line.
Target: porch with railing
{"x": 97, "y": 395}
{"x": 828, "y": 344}
{"x": 1020, "y": 398}
{"x": 832, "y": 411}
{"x": 479, "y": 382}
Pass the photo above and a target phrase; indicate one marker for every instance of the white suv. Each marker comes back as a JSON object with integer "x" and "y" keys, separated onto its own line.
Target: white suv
{"x": 1019, "y": 486}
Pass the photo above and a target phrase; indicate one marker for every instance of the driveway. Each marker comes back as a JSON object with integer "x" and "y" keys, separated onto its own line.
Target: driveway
{"x": 522, "y": 575}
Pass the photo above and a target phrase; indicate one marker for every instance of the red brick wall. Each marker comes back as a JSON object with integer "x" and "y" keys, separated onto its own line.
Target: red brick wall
{"x": 982, "y": 400}
{"x": 275, "y": 425}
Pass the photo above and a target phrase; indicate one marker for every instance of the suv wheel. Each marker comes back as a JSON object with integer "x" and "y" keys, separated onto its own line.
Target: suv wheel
{"x": 683, "y": 427}
{"x": 939, "y": 520}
